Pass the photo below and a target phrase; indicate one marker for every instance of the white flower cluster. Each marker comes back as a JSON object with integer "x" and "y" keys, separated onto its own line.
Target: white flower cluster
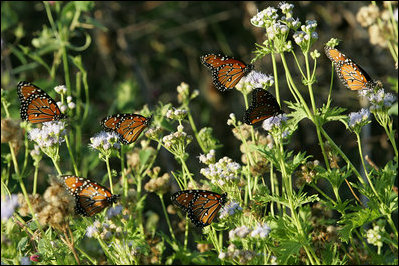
{"x": 61, "y": 89}
{"x": 154, "y": 133}
{"x": 52, "y": 133}
{"x": 223, "y": 171}
{"x": 176, "y": 138}
{"x": 8, "y": 206}
{"x": 177, "y": 114}
{"x": 261, "y": 230}
{"x": 285, "y": 7}
{"x": 114, "y": 211}
{"x": 357, "y": 118}
{"x": 259, "y": 19}
{"x": 274, "y": 121}
{"x": 183, "y": 89}
{"x": 292, "y": 23}
{"x": 239, "y": 232}
{"x": 207, "y": 158}
{"x": 374, "y": 236}
{"x": 378, "y": 99}
{"x": 229, "y": 209}
{"x": 232, "y": 120}
{"x": 276, "y": 29}
{"x": 301, "y": 37}
{"x": 104, "y": 141}
{"x": 70, "y": 104}
{"x": 259, "y": 80}
{"x": 242, "y": 256}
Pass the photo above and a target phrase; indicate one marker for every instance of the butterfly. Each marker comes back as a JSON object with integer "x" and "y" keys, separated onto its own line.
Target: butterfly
{"x": 90, "y": 197}
{"x": 200, "y": 205}
{"x": 226, "y": 71}
{"x": 264, "y": 105}
{"x": 36, "y": 105}
{"x": 128, "y": 126}
{"x": 350, "y": 74}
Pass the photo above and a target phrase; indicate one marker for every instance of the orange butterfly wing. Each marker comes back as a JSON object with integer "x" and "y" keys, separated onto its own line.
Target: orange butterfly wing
{"x": 205, "y": 207}
{"x": 36, "y": 105}
{"x": 226, "y": 71}
{"x": 350, "y": 74}
{"x": 93, "y": 199}
{"x": 128, "y": 126}
{"x": 90, "y": 197}
{"x": 201, "y": 206}
{"x": 264, "y": 105}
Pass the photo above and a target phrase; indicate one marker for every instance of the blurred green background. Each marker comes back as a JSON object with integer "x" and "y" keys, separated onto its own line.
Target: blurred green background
{"x": 141, "y": 51}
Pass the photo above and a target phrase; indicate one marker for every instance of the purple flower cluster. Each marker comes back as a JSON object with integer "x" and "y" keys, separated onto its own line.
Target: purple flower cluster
{"x": 231, "y": 208}
{"x": 379, "y": 99}
{"x": 8, "y": 206}
{"x": 359, "y": 118}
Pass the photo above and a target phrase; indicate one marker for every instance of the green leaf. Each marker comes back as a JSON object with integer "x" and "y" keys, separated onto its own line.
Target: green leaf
{"x": 22, "y": 244}
{"x": 351, "y": 221}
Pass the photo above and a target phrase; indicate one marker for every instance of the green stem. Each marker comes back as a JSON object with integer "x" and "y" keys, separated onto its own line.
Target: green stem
{"x": 167, "y": 217}
{"x": 186, "y": 234}
{"x": 56, "y": 166}
{"x": 359, "y": 145}
{"x": 123, "y": 172}
{"x": 275, "y": 74}
{"x": 35, "y": 178}
{"x": 315, "y": 118}
{"x": 289, "y": 192}
{"x": 342, "y": 154}
{"x": 109, "y": 174}
{"x": 71, "y": 155}
{"x": 194, "y": 128}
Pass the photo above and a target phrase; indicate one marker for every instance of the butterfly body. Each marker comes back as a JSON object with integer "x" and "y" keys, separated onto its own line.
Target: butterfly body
{"x": 128, "y": 126}
{"x": 36, "y": 105}
{"x": 201, "y": 206}
{"x": 226, "y": 71}
{"x": 351, "y": 75}
{"x": 264, "y": 105}
{"x": 90, "y": 197}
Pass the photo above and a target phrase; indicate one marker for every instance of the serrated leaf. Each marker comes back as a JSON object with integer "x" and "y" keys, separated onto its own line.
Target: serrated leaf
{"x": 22, "y": 244}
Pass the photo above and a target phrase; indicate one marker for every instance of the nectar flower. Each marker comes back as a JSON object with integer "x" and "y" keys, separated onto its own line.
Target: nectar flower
{"x": 225, "y": 170}
{"x": 154, "y": 133}
{"x": 274, "y": 121}
{"x": 104, "y": 141}
{"x": 177, "y": 140}
{"x": 62, "y": 107}
{"x": 8, "y": 206}
{"x": 374, "y": 236}
{"x": 61, "y": 89}
{"x": 177, "y": 114}
{"x": 114, "y": 211}
{"x": 232, "y": 120}
{"x": 52, "y": 133}
{"x": 91, "y": 230}
{"x": 239, "y": 232}
{"x": 285, "y": 7}
{"x": 257, "y": 79}
{"x": 25, "y": 261}
{"x": 229, "y": 209}
{"x": 381, "y": 99}
{"x": 359, "y": 118}
{"x": 261, "y": 230}
{"x": 259, "y": 19}
{"x": 207, "y": 158}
